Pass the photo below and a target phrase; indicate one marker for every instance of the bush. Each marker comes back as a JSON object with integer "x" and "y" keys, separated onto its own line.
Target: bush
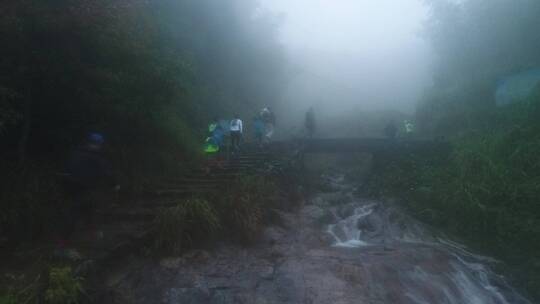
{"x": 8, "y": 299}
{"x": 244, "y": 203}
{"x": 29, "y": 198}
{"x": 64, "y": 287}
{"x": 147, "y": 74}
{"x": 180, "y": 226}
{"x": 487, "y": 192}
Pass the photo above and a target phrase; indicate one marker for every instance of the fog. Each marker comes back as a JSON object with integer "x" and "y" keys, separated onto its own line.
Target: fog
{"x": 352, "y": 56}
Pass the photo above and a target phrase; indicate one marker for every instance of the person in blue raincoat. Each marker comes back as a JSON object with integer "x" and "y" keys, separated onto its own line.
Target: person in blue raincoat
{"x": 214, "y": 143}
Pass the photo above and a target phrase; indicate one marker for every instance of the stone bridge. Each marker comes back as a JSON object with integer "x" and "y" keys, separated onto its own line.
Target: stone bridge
{"x": 373, "y": 145}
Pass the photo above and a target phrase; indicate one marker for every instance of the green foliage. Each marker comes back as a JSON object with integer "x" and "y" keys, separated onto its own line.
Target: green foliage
{"x": 244, "y": 203}
{"x": 504, "y": 39}
{"x": 8, "y": 299}
{"x": 471, "y": 62}
{"x": 180, "y": 226}
{"x": 487, "y": 192}
{"x": 64, "y": 287}
{"x": 29, "y": 196}
{"x": 146, "y": 74}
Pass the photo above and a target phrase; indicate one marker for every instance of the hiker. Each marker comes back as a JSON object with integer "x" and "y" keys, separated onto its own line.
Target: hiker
{"x": 214, "y": 144}
{"x": 269, "y": 120}
{"x": 310, "y": 122}
{"x": 258, "y": 129}
{"x": 212, "y": 126}
{"x": 409, "y": 128}
{"x": 214, "y": 139}
{"x": 87, "y": 173}
{"x": 391, "y": 130}
{"x": 236, "y": 130}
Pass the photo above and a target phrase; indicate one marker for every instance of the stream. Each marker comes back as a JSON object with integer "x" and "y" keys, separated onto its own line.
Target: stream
{"x": 336, "y": 249}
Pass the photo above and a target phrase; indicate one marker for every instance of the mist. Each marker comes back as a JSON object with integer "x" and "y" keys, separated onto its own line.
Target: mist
{"x": 270, "y": 151}
{"x": 350, "y": 57}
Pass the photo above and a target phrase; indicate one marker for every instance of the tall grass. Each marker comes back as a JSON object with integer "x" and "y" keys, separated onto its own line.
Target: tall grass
{"x": 63, "y": 287}
{"x": 179, "y": 227}
{"x": 243, "y": 206}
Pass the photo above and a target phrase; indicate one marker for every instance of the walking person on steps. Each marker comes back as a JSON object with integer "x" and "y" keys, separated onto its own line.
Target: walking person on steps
{"x": 213, "y": 145}
{"x": 236, "y": 130}
{"x": 269, "y": 120}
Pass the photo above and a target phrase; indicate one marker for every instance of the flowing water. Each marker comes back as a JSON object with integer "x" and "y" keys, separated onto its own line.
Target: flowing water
{"x": 425, "y": 267}
{"x": 336, "y": 249}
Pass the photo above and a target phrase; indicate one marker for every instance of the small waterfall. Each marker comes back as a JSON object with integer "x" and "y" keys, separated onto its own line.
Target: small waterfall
{"x": 346, "y": 232}
{"x": 427, "y": 268}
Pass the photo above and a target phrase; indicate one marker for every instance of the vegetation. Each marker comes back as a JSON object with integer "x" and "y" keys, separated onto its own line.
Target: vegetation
{"x": 478, "y": 43}
{"x": 487, "y": 190}
{"x": 180, "y": 226}
{"x": 59, "y": 286}
{"x": 146, "y": 74}
{"x": 8, "y": 299}
{"x": 239, "y": 212}
{"x": 244, "y": 204}
{"x": 63, "y": 287}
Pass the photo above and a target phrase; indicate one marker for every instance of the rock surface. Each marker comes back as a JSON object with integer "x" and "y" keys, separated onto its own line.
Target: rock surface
{"x": 395, "y": 260}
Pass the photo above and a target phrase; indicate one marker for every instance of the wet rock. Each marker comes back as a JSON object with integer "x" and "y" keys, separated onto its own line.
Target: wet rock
{"x": 197, "y": 256}
{"x": 115, "y": 279}
{"x": 273, "y": 235}
{"x": 225, "y": 296}
{"x": 316, "y": 213}
{"x": 295, "y": 263}
{"x": 85, "y": 268}
{"x": 319, "y": 202}
{"x": 313, "y": 213}
{"x": 219, "y": 283}
{"x": 186, "y": 296}
{"x": 326, "y": 239}
{"x": 346, "y": 210}
{"x": 267, "y": 272}
{"x": 171, "y": 263}
{"x": 371, "y": 223}
{"x": 329, "y": 184}
{"x": 286, "y": 290}
{"x": 337, "y": 198}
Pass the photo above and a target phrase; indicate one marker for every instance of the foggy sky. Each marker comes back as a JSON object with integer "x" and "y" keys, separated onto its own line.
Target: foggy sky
{"x": 354, "y": 54}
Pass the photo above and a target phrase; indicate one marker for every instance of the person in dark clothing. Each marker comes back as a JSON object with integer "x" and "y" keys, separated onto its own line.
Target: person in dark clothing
{"x": 258, "y": 129}
{"x": 87, "y": 172}
{"x": 391, "y": 130}
{"x": 310, "y": 122}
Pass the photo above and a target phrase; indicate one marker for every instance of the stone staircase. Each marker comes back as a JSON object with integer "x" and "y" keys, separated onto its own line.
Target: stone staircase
{"x": 125, "y": 228}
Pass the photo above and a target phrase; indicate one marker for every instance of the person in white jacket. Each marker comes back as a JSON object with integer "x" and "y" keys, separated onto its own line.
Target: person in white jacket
{"x": 236, "y": 128}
